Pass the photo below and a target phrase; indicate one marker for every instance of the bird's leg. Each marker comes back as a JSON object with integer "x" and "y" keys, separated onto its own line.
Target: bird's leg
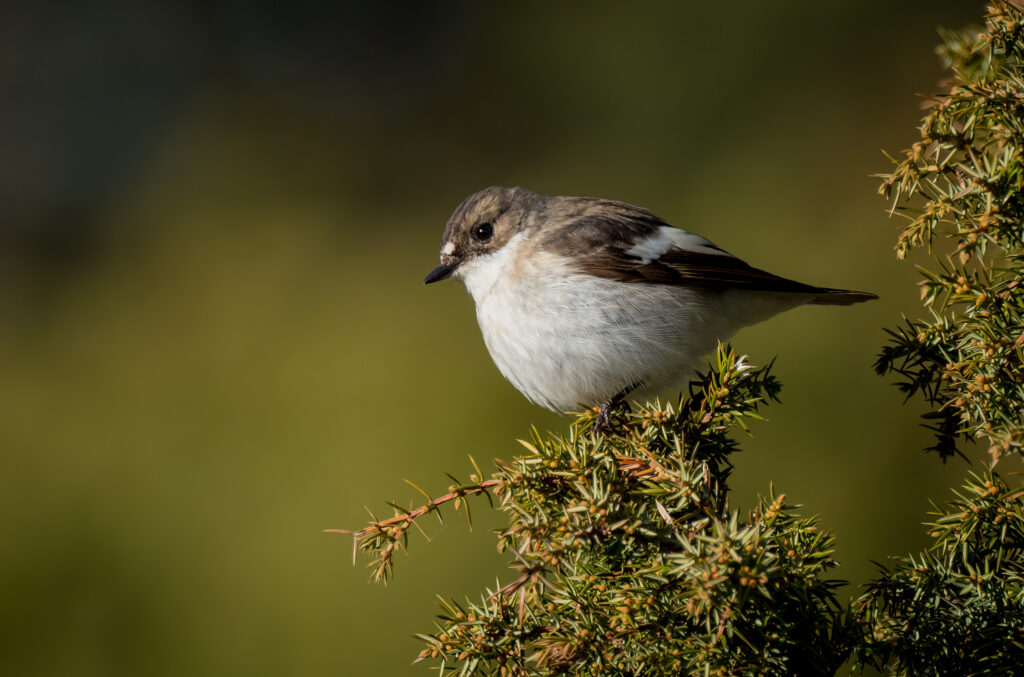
{"x": 604, "y": 418}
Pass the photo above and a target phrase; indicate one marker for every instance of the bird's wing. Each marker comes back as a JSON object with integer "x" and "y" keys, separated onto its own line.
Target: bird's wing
{"x": 629, "y": 244}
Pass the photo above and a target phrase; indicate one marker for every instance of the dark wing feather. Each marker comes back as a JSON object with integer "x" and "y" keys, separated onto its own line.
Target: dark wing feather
{"x": 716, "y": 272}
{"x": 600, "y": 235}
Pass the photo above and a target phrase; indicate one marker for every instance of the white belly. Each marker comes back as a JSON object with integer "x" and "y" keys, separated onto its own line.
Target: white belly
{"x": 563, "y": 338}
{"x": 580, "y": 341}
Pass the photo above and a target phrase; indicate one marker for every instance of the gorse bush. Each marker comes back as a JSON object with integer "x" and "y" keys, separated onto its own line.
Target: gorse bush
{"x": 626, "y": 558}
{"x": 958, "y": 608}
{"x": 961, "y": 184}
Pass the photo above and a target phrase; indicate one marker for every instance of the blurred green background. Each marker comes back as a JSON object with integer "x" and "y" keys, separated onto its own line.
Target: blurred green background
{"x": 215, "y": 343}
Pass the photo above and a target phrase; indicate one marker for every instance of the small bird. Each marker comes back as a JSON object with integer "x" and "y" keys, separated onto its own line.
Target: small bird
{"x": 584, "y": 301}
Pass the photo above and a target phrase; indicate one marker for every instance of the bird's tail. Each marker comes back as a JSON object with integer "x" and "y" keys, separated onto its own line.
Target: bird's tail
{"x": 840, "y": 297}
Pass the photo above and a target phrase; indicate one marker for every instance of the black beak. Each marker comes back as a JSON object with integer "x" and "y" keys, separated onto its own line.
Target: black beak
{"x": 442, "y": 272}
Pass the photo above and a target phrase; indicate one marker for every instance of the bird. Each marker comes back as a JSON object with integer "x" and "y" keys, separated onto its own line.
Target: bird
{"x": 585, "y": 301}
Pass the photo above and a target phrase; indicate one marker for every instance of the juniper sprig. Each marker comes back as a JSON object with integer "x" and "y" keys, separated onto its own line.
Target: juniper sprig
{"x": 627, "y": 559}
{"x": 961, "y": 184}
{"x": 958, "y": 607}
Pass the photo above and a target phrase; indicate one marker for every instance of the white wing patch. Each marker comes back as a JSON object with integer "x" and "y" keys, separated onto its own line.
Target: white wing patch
{"x": 653, "y": 247}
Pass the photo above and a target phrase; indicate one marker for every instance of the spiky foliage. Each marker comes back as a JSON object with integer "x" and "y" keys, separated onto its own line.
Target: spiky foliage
{"x": 957, "y": 608}
{"x": 962, "y": 183}
{"x": 628, "y": 559}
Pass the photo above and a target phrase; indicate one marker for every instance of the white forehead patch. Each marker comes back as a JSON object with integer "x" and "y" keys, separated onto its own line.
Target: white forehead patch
{"x": 652, "y": 247}
{"x": 448, "y": 249}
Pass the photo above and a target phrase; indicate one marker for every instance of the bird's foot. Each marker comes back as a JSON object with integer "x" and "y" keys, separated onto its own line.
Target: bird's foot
{"x": 609, "y": 407}
{"x": 604, "y": 416}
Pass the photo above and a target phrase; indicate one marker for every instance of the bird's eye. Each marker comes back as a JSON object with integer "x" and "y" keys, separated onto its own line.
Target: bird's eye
{"x": 484, "y": 231}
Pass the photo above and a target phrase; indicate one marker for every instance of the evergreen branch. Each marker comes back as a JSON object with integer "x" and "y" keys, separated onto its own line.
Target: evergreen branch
{"x": 958, "y": 607}
{"x": 627, "y": 560}
{"x": 962, "y": 183}
{"x": 384, "y": 537}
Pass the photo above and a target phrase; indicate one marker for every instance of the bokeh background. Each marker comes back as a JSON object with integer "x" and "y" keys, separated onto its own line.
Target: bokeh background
{"x": 214, "y": 340}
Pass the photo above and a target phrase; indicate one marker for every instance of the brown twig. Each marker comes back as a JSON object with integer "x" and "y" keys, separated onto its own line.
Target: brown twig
{"x": 379, "y": 525}
{"x": 392, "y": 531}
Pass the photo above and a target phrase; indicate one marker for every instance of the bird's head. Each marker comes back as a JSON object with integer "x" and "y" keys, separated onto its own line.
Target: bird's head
{"x": 484, "y": 223}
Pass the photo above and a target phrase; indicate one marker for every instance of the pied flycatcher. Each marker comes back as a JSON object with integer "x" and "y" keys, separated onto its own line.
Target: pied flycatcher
{"x": 583, "y": 301}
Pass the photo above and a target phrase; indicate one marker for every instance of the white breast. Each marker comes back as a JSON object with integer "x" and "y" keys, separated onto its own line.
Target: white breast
{"x": 563, "y": 338}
